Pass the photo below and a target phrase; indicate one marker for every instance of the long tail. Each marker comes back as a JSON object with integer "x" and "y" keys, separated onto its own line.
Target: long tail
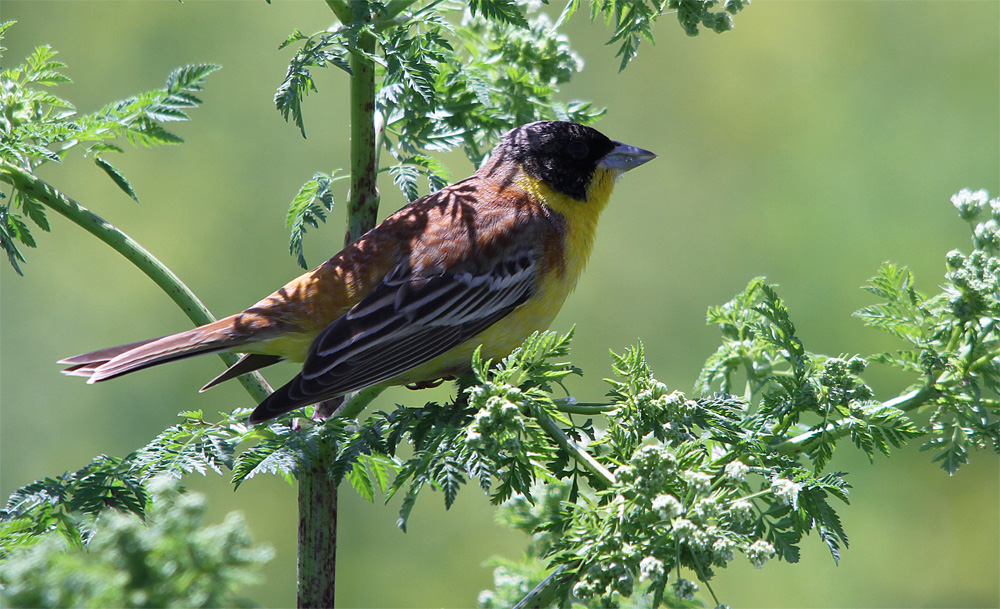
{"x": 112, "y": 362}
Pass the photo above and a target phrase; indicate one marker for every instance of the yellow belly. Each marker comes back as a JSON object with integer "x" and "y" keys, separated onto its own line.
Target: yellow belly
{"x": 293, "y": 346}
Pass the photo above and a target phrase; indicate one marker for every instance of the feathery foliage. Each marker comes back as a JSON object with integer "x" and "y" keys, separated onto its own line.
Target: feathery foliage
{"x": 666, "y": 489}
{"x": 39, "y": 127}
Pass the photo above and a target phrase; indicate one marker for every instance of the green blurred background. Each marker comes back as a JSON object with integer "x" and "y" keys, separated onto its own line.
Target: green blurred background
{"x": 810, "y": 144}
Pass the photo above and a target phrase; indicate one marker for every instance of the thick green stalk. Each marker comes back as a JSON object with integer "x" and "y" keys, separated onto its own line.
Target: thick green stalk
{"x": 317, "y": 551}
{"x": 589, "y": 409}
{"x": 197, "y": 312}
{"x": 317, "y": 564}
{"x": 341, "y": 10}
{"x": 358, "y": 401}
{"x": 362, "y": 204}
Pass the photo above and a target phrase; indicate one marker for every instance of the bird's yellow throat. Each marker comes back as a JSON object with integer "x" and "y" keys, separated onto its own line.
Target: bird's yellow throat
{"x": 581, "y": 216}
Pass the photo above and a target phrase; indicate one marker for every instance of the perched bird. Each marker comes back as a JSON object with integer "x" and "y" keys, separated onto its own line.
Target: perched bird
{"x": 485, "y": 261}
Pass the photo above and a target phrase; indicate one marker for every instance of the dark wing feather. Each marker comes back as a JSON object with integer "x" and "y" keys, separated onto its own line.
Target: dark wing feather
{"x": 405, "y": 321}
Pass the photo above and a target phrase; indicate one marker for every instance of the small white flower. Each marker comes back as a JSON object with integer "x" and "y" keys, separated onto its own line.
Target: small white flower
{"x": 583, "y": 589}
{"x": 705, "y": 509}
{"x": 787, "y": 491}
{"x": 683, "y": 528}
{"x": 737, "y": 471}
{"x": 759, "y": 552}
{"x": 667, "y": 506}
{"x": 722, "y": 551}
{"x": 625, "y": 473}
{"x": 701, "y": 483}
{"x": 485, "y": 598}
{"x": 742, "y": 510}
{"x": 685, "y": 589}
{"x": 650, "y": 568}
{"x": 969, "y": 203}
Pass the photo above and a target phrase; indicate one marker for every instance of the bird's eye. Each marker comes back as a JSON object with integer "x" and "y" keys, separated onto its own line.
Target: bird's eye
{"x": 577, "y": 150}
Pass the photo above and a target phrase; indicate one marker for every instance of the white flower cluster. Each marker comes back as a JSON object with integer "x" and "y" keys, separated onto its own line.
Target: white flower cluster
{"x": 786, "y": 491}
{"x": 969, "y": 203}
{"x": 759, "y": 552}
{"x": 497, "y": 423}
{"x": 736, "y": 471}
{"x": 685, "y": 589}
{"x": 667, "y": 506}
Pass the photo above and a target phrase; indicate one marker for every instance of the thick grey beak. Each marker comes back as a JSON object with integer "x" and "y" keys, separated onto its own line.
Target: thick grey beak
{"x": 624, "y": 157}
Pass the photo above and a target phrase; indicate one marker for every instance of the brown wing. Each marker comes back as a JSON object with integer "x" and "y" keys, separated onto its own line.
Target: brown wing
{"x": 404, "y": 322}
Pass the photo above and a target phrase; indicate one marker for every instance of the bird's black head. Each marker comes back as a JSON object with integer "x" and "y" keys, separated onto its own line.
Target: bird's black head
{"x": 563, "y": 155}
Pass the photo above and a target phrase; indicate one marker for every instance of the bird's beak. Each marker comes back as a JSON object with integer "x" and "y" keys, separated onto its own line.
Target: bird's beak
{"x": 624, "y": 157}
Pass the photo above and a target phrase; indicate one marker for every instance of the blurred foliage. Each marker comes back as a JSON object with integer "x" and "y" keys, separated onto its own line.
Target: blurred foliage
{"x": 167, "y": 559}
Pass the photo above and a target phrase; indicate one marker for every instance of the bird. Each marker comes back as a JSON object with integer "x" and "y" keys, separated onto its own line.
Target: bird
{"x": 481, "y": 263}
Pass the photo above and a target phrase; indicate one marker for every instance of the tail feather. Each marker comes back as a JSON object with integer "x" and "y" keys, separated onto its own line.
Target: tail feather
{"x": 167, "y": 349}
{"x": 85, "y": 363}
{"x": 112, "y": 362}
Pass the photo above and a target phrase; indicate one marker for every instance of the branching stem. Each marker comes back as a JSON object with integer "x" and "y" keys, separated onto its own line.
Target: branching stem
{"x": 317, "y": 563}
{"x": 575, "y": 450}
{"x": 906, "y": 402}
{"x": 362, "y": 204}
{"x": 583, "y": 408}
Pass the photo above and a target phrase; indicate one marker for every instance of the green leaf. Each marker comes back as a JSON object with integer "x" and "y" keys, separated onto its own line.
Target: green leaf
{"x": 12, "y": 230}
{"x": 147, "y": 133}
{"x": 116, "y": 177}
{"x": 320, "y": 51}
{"x": 309, "y": 207}
{"x": 360, "y": 479}
{"x": 190, "y": 78}
{"x": 503, "y": 11}
{"x": 33, "y": 209}
{"x": 5, "y": 26}
{"x": 267, "y": 457}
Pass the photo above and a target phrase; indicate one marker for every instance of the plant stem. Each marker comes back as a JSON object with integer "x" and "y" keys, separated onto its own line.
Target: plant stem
{"x": 358, "y": 401}
{"x": 317, "y": 542}
{"x": 580, "y": 455}
{"x": 167, "y": 281}
{"x": 906, "y": 402}
{"x": 543, "y": 594}
{"x": 582, "y": 408}
{"x": 341, "y": 10}
{"x": 317, "y": 561}
{"x": 362, "y": 204}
